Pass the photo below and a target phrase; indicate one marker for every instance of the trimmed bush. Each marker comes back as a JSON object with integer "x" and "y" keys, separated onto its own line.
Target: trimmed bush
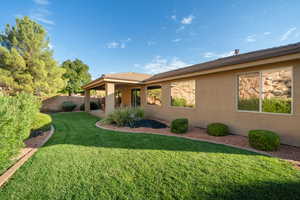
{"x": 264, "y": 140}
{"x": 217, "y": 129}
{"x": 124, "y": 116}
{"x": 180, "y": 125}
{"x": 15, "y": 124}
{"x": 68, "y": 106}
{"x": 93, "y": 106}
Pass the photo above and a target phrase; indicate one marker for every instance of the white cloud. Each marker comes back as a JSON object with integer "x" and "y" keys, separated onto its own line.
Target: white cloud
{"x": 267, "y": 33}
{"x": 187, "y": 20}
{"x": 286, "y": 35}
{"x": 217, "y": 55}
{"x": 176, "y": 40}
{"x": 41, "y": 15}
{"x": 41, "y": 2}
{"x": 151, "y": 43}
{"x": 173, "y": 17}
{"x": 115, "y": 44}
{"x": 251, "y": 38}
{"x": 159, "y": 64}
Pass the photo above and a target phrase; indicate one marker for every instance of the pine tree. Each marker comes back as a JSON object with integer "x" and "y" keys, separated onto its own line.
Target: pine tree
{"x": 26, "y": 61}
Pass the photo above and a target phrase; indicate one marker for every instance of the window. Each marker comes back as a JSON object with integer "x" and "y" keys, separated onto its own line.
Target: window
{"x": 249, "y": 92}
{"x": 266, "y": 91}
{"x": 154, "y": 95}
{"x": 183, "y": 93}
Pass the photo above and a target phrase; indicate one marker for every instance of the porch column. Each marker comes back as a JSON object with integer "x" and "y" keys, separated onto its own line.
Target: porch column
{"x": 109, "y": 98}
{"x": 87, "y": 100}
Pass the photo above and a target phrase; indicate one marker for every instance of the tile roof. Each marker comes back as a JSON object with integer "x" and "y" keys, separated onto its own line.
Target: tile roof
{"x": 231, "y": 60}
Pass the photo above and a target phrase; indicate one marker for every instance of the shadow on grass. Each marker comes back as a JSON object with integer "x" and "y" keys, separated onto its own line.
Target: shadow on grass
{"x": 79, "y": 129}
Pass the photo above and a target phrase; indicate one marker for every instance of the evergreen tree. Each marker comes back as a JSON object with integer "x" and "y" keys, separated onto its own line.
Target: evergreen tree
{"x": 26, "y": 61}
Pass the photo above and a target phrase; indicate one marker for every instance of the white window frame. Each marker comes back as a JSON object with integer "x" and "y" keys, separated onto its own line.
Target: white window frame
{"x": 261, "y": 90}
{"x": 170, "y": 95}
{"x": 160, "y": 95}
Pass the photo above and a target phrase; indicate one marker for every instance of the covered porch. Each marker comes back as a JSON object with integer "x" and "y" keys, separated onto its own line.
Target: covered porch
{"x": 121, "y": 90}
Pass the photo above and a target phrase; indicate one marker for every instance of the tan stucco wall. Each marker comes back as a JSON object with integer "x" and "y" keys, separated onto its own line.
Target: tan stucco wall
{"x": 216, "y": 102}
{"x": 54, "y": 104}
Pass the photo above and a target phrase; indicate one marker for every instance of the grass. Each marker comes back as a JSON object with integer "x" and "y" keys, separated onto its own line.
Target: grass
{"x": 81, "y": 161}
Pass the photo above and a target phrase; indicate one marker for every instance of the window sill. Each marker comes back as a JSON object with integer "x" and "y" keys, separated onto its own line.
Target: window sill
{"x": 267, "y": 113}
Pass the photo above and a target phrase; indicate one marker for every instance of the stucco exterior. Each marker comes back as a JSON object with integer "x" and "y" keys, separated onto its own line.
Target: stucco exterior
{"x": 216, "y": 100}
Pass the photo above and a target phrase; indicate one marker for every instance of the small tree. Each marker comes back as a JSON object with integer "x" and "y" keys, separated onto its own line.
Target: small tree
{"x": 26, "y": 61}
{"x": 76, "y": 75}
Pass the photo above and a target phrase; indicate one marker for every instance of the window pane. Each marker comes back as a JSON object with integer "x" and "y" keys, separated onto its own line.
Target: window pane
{"x": 154, "y": 95}
{"x": 183, "y": 93}
{"x": 277, "y": 91}
{"x": 248, "y": 87}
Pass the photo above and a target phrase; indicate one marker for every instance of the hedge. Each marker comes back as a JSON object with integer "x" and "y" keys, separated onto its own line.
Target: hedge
{"x": 264, "y": 140}
{"x": 93, "y": 106}
{"x": 180, "y": 125}
{"x": 15, "y": 124}
{"x": 68, "y": 106}
{"x": 217, "y": 129}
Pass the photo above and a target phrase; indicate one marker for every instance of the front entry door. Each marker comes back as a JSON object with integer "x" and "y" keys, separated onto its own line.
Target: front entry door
{"x": 135, "y": 97}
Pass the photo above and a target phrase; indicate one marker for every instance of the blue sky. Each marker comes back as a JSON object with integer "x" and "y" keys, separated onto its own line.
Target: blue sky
{"x": 157, "y": 35}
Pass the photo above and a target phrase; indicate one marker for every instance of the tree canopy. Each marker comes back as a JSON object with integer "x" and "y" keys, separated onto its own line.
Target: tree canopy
{"x": 26, "y": 61}
{"x": 76, "y": 74}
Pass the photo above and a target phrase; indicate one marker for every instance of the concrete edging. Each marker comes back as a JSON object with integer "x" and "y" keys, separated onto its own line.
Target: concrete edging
{"x": 10, "y": 172}
{"x": 195, "y": 139}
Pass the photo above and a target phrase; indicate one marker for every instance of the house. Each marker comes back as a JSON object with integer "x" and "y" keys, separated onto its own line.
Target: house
{"x": 255, "y": 90}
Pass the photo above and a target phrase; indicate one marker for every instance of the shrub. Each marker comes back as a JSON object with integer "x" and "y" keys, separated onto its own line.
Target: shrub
{"x": 264, "y": 140}
{"x": 277, "y": 105}
{"x": 124, "y": 116}
{"x": 180, "y": 102}
{"x": 249, "y": 104}
{"x": 180, "y": 125}
{"x": 217, "y": 129}
{"x": 93, "y": 106}
{"x": 68, "y": 106}
{"x": 42, "y": 122}
{"x": 15, "y": 124}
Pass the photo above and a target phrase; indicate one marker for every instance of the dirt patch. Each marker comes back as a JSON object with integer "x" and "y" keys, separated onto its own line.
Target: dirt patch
{"x": 286, "y": 152}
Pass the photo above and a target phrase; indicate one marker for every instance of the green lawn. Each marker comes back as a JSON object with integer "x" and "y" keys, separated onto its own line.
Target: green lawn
{"x": 81, "y": 161}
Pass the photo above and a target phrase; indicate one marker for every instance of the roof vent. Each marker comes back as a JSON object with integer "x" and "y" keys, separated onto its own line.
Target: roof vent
{"x": 236, "y": 52}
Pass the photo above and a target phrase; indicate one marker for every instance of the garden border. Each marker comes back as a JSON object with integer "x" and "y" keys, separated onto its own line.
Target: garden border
{"x": 12, "y": 169}
{"x": 98, "y": 124}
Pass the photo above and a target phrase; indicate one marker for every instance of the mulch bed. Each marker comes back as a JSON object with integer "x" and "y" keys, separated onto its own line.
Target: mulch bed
{"x": 285, "y": 152}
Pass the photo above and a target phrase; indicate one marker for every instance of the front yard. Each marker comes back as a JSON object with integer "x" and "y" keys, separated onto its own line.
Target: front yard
{"x": 81, "y": 161}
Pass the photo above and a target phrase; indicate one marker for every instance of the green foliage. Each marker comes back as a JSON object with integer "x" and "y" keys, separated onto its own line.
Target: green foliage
{"x": 42, "y": 122}
{"x": 124, "y": 116}
{"x": 81, "y": 161}
{"x": 93, "y": 106}
{"x": 180, "y": 125}
{"x": 276, "y": 105}
{"x": 76, "y": 75}
{"x": 264, "y": 140}
{"x": 217, "y": 129}
{"x": 26, "y": 61}
{"x": 249, "y": 104}
{"x": 68, "y": 106}
{"x": 15, "y": 124}
{"x": 180, "y": 102}
{"x": 273, "y": 105}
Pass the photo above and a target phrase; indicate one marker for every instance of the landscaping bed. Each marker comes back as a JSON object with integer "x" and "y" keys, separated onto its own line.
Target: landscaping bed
{"x": 285, "y": 151}
{"x": 148, "y": 123}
